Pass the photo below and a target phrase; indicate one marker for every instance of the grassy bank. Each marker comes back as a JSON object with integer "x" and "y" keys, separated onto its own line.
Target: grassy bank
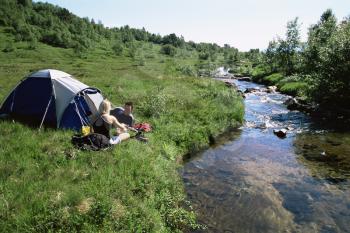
{"x": 293, "y": 85}
{"x": 47, "y": 185}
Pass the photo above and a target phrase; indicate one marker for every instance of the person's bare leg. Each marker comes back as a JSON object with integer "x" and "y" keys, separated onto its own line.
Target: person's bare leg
{"x": 124, "y": 136}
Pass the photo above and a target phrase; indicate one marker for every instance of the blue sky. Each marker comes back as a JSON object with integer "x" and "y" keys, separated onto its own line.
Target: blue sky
{"x": 243, "y": 24}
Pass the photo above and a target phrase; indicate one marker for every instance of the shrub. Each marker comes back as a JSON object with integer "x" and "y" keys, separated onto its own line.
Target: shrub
{"x": 118, "y": 49}
{"x": 168, "y": 50}
{"x": 187, "y": 70}
{"x": 204, "y": 55}
{"x": 273, "y": 78}
{"x": 154, "y": 105}
{"x": 259, "y": 72}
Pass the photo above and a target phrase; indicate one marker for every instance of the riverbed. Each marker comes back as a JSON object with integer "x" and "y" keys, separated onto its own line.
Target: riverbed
{"x": 258, "y": 182}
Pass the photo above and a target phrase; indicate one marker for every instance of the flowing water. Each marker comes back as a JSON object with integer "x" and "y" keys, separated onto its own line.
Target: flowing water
{"x": 258, "y": 182}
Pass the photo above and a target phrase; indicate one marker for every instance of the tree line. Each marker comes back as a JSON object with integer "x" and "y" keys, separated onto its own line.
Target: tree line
{"x": 322, "y": 62}
{"x": 43, "y": 22}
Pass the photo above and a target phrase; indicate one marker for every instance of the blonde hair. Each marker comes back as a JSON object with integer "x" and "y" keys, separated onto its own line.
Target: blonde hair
{"x": 105, "y": 107}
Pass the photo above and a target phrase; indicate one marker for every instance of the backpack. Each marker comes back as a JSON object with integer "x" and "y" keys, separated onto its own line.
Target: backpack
{"x": 92, "y": 141}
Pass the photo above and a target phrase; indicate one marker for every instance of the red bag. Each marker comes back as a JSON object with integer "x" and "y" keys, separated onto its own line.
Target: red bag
{"x": 144, "y": 127}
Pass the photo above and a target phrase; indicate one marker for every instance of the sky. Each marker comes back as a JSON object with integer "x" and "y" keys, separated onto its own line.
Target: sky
{"x": 244, "y": 24}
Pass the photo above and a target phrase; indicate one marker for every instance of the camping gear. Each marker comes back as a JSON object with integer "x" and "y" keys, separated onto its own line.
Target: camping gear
{"x": 86, "y": 130}
{"x": 92, "y": 141}
{"x": 144, "y": 127}
{"x": 53, "y": 98}
{"x": 140, "y": 129}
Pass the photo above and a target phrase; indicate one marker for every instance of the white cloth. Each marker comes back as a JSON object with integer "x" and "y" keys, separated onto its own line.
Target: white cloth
{"x": 114, "y": 140}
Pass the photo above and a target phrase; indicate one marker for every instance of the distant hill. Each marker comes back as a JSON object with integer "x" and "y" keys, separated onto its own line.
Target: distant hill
{"x": 56, "y": 26}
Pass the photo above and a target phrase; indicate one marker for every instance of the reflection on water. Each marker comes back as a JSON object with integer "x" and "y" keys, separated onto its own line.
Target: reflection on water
{"x": 258, "y": 182}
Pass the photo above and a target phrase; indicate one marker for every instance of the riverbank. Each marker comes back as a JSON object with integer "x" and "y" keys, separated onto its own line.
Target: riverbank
{"x": 297, "y": 183}
{"x": 48, "y": 185}
{"x": 297, "y": 89}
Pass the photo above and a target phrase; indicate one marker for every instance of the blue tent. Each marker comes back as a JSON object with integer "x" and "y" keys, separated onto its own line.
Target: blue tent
{"x": 53, "y": 98}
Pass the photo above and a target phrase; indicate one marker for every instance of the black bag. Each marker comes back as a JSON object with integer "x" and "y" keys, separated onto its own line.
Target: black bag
{"x": 93, "y": 141}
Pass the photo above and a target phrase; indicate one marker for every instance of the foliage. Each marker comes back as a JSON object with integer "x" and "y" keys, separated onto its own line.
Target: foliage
{"x": 294, "y": 88}
{"x": 259, "y": 72}
{"x": 118, "y": 49}
{"x": 283, "y": 55}
{"x": 168, "y": 49}
{"x": 327, "y": 59}
{"x": 321, "y": 64}
{"x": 273, "y": 78}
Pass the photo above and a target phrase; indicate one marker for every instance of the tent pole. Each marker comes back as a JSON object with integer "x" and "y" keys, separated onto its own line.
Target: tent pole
{"x": 47, "y": 107}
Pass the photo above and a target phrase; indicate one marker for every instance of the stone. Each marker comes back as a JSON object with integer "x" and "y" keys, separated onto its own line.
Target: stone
{"x": 247, "y": 79}
{"x": 281, "y": 133}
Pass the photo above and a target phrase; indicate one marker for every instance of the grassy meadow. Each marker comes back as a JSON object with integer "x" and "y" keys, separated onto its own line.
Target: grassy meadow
{"x": 46, "y": 185}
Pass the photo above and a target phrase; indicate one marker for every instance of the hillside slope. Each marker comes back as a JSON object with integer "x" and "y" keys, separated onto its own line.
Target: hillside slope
{"x": 47, "y": 185}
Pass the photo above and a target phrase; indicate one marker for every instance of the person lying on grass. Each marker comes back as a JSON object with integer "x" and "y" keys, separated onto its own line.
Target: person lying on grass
{"x": 124, "y": 115}
{"x": 105, "y": 122}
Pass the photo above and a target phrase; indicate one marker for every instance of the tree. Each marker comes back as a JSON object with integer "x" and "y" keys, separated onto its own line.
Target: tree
{"x": 327, "y": 57}
{"x": 318, "y": 36}
{"x": 289, "y": 49}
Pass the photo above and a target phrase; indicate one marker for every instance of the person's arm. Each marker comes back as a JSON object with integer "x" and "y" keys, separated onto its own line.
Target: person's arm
{"x": 117, "y": 124}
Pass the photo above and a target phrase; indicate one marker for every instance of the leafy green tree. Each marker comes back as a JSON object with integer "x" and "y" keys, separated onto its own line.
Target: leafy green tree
{"x": 327, "y": 57}
{"x": 25, "y": 3}
{"x": 172, "y": 39}
{"x": 318, "y": 37}
{"x": 288, "y": 49}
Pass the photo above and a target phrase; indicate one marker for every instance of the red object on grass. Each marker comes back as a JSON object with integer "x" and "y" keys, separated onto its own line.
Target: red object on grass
{"x": 145, "y": 127}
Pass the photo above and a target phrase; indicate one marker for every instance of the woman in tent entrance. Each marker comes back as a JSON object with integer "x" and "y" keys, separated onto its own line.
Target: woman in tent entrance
{"x": 106, "y": 121}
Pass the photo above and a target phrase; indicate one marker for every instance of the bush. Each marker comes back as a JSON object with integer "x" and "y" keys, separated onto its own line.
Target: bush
{"x": 168, "y": 50}
{"x": 118, "y": 49}
{"x": 204, "y": 55}
{"x": 154, "y": 105}
{"x": 273, "y": 78}
{"x": 187, "y": 70}
{"x": 259, "y": 72}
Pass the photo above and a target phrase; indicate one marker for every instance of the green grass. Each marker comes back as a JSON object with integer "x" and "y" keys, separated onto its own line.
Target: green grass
{"x": 47, "y": 185}
{"x": 273, "y": 79}
{"x": 294, "y": 88}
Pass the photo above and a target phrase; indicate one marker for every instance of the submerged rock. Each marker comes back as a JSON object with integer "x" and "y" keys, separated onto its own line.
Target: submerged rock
{"x": 271, "y": 89}
{"x": 301, "y": 105}
{"x": 250, "y": 90}
{"x": 230, "y": 84}
{"x": 281, "y": 133}
{"x": 245, "y": 79}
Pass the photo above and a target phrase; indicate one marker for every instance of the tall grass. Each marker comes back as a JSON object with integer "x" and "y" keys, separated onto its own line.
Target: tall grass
{"x": 48, "y": 185}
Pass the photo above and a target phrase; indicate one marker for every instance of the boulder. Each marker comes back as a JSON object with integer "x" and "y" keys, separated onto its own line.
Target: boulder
{"x": 240, "y": 93}
{"x": 301, "y": 105}
{"x": 245, "y": 79}
{"x": 292, "y": 104}
{"x": 250, "y": 90}
{"x": 230, "y": 84}
{"x": 271, "y": 89}
{"x": 281, "y": 133}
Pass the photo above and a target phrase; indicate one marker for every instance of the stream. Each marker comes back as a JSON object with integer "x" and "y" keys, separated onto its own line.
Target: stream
{"x": 258, "y": 182}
